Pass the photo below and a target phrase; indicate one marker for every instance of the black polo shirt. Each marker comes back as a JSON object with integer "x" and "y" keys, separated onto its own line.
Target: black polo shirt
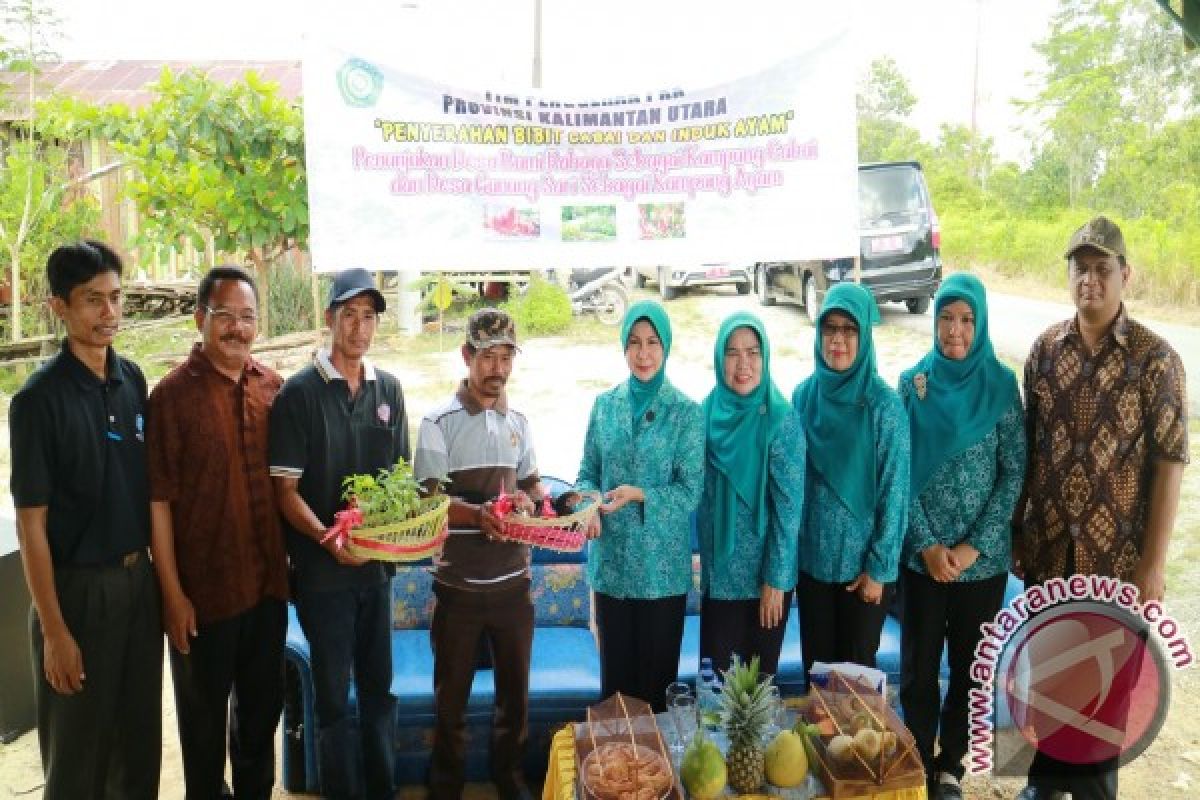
{"x": 78, "y": 448}
{"x": 321, "y": 435}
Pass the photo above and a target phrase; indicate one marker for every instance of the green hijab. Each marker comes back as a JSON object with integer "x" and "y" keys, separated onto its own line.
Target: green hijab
{"x": 835, "y": 406}
{"x": 642, "y": 393}
{"x": 962, "y": 400}
{"x": 739, "y": 433}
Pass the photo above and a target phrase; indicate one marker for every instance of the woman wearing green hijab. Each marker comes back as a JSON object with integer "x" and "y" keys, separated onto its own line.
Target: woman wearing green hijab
{"x": 749, "y": 518}
{"x": 644, "y": 449}
{"x": 968, "y": 463}
{"x": 856, "y": 495}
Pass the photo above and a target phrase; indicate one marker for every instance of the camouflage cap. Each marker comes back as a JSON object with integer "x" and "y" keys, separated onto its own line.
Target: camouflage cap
{"x": 1102, "y": 234}
{"x": 489, "y": 327}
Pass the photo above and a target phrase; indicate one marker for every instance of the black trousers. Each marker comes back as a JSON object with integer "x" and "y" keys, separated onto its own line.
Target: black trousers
{"x": 232, "y": 676}
{"x": 937, "y": 613}
{"x": 731, "y": 626}
{"x": 104, "y": 742}
{"x": 639, "y": 645}
{"x": 1083, "y": 781}
{"x": 461, "y": 620}
{"x": 835, "y": 625}
{"x": 349, "y": 632}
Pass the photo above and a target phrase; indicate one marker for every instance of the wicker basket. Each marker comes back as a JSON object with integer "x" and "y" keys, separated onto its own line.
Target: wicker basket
{"x": 414, "y": 539}
{"x": 565, "y": 534}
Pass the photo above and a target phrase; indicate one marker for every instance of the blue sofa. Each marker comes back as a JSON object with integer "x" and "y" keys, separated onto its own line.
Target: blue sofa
{"x": 564, "y": 676}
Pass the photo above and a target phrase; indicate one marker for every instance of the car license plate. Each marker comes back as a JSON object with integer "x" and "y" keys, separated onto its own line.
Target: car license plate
{"x": 716, "y": 272}
{"x": 887, "y": 244}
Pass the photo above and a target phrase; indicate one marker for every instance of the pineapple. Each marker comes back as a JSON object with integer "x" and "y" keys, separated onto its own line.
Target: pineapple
{"x": 745, "y": 712}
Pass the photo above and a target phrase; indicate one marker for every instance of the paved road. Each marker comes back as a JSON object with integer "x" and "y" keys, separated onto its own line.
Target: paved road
{"x": 1016, "y": 321}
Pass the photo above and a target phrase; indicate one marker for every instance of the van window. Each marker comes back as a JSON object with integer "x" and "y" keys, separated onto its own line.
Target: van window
{"x": 892, "y": 195}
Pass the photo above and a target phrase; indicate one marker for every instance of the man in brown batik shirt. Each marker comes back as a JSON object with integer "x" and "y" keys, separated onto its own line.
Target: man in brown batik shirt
{"x": 1106, "y": 419}
{"x": 218, "y": 546}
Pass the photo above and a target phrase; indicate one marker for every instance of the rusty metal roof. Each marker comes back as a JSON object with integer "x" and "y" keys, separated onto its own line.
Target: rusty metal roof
{"x": 111, "y": 82}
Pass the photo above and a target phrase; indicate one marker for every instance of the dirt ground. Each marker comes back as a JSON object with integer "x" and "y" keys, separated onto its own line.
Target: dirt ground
{"x": 554, "y": 382}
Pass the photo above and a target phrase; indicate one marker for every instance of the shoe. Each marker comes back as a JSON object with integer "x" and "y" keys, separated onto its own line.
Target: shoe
{"x": 1034, "y": 793}
{"x": 946, "y": 788}
{"x": 513, "y": 790}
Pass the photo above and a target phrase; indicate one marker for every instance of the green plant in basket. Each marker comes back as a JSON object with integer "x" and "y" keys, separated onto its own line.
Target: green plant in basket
{"x": 391, "y": 496}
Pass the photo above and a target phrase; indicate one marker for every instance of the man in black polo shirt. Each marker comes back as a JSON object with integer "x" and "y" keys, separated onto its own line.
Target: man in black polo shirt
{"x": 337, "y": 417}
{"x": 83, "y": 517}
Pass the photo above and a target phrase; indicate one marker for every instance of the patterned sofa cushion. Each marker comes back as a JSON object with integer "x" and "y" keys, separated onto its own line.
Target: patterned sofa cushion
{"x": 412, "y": 598}
{"x": 561, "y": 596}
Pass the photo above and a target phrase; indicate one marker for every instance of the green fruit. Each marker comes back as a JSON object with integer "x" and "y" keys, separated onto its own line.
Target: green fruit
{"x": 787, "y": 763}
{"x": 703, "y": 769}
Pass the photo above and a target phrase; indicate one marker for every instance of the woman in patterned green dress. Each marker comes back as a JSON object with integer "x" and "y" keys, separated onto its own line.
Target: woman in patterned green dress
{"x": 968, "y": 463}
{"x": 749, "y": 518}
{"x": 644, "y": 450}
{"x": 856, "y": 486}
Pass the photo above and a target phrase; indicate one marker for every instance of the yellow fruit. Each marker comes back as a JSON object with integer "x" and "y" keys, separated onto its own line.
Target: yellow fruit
{"x": 703, "y": 769}
{"x": 868, "y": 743}
{"x": 841, "y": 748}
{"x": 787, "y": 764}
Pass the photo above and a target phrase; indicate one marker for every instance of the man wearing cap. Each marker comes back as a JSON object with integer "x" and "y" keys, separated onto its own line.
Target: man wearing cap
{"x": 1106, "y": 422}
{"x": 341, "y": 416}
{"x": 217, "y": 545}
{"x": 479, "y": 446}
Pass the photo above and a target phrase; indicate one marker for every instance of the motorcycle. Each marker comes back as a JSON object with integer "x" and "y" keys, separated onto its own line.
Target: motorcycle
{"x": 598, "y": 291}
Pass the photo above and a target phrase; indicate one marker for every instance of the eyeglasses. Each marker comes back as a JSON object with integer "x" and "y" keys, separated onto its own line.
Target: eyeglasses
{"x": 226, "y": 317}
{"x": 832, "y": 331}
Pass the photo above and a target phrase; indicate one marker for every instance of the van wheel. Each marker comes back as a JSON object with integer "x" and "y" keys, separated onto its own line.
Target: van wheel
{"x": 917, "y": 305}
{"x": 764, "y": 293}
{"x": 639, "y": 280}
{"x": 668, "y": 293}
{"x": 810, "y": 299}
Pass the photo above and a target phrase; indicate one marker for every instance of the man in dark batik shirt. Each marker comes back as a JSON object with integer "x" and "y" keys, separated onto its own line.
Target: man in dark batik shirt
{"x": 1106, "y": 419}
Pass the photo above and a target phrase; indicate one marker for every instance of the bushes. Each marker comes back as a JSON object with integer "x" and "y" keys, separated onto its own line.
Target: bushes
{"x": 1165, "y": 258}
{"x": 289, "y": 298}
{"x": 543, "y": 309}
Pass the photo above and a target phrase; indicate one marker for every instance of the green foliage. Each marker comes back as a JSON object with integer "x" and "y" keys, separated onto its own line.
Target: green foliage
{"x": 231, "y": 155}
{"x": 387, "y": 498}
{"x": 884, "y": 93}
{"x": 1118, "y": 132}
{"x": 543, "y": 309}
{"x": 289, "y": 297}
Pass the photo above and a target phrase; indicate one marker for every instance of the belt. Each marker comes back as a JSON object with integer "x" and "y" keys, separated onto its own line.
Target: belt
{"x": 126, "y": 561}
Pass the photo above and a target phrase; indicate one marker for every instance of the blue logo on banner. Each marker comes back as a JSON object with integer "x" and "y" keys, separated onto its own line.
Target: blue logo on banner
{"x": 360, "y": 83}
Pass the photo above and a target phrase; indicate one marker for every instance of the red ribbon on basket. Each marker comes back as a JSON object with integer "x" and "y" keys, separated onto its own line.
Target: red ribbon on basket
{"x": 343, "y": 523}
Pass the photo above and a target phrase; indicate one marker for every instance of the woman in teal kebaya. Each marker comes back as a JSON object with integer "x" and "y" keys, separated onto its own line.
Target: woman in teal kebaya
{"x": 856, "y": 487}
{"x": 644, "y": 450}
{"x": 749, "y": 518}
{"x": 968, "y": 464}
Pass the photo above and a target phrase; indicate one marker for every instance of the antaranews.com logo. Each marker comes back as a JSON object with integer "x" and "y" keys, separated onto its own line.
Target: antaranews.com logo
{"x": 1075, "y": 668}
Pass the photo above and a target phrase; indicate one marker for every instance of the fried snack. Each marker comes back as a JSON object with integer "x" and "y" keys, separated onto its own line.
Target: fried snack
{"x": 623, "y": 771}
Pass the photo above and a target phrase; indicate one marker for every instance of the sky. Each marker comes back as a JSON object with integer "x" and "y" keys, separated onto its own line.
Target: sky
{"x": 588, "y": 46}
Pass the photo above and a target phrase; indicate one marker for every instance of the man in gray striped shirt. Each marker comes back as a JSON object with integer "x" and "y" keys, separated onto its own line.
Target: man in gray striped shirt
{"x": 478, "y": 447}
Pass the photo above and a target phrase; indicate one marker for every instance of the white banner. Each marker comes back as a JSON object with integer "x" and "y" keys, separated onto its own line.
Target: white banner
{"x": 410, "y": 174}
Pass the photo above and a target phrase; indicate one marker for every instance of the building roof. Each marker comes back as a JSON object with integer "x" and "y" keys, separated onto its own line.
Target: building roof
{"x": 111, "y": 82}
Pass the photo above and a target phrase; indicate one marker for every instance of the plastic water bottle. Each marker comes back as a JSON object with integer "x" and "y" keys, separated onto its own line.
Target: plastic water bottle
{"x": 707, "y": 688}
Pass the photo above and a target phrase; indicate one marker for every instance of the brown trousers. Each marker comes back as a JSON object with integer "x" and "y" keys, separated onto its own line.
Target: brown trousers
{"x": 461, "y": 619}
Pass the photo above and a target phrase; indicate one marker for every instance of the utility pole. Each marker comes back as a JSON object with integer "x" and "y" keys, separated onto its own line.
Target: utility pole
{"x": 537, "y": 43}
{"x": 976, "y": 165}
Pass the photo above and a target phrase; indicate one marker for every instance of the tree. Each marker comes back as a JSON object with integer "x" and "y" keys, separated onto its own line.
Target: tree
{"x": 1114, "y": 75}
{"x": 33, "y": 173}
{"x": 884, "y": 102}
{"x": 220, "y": 160}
